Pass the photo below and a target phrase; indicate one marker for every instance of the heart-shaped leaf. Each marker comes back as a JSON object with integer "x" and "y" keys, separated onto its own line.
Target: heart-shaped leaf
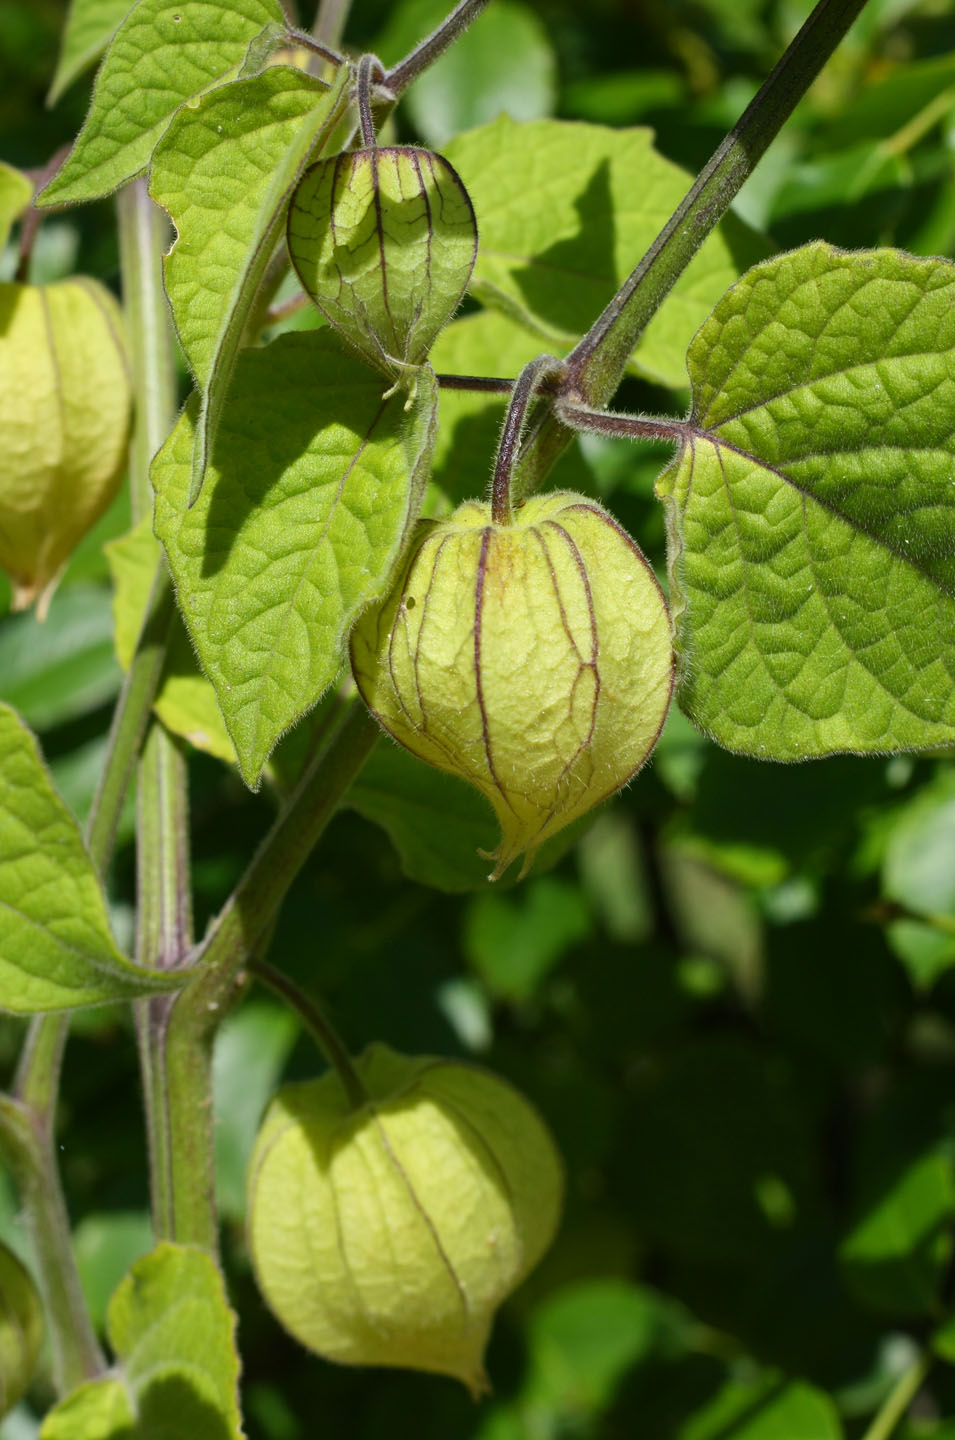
{"x": 314, "y": 484}
{"x": 813, "y": 506}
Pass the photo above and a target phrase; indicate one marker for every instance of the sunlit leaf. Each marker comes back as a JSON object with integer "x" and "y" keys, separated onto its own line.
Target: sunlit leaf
{"x": 813, "y": 508}
{"x": 164, "y": 52}
{"x": 297, "y": 527}
{"x": 56, "y": 950}
{"x": 224, "y": 170}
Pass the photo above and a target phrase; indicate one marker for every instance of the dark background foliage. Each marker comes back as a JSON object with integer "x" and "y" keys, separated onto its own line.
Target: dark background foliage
{"x": 734, "y": 1001}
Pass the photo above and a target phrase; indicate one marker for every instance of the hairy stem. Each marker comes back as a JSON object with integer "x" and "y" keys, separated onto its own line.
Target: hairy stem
{"x": 596, "y": 365}
{"x": 369, "y": 69}
{"x": 526, "y": 386}
{"x": 317, "y": 1024}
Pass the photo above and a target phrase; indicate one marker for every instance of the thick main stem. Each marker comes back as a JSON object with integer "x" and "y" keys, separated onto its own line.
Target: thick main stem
{"x": 238, "y": 931}
{"x": 176, "y": 1076}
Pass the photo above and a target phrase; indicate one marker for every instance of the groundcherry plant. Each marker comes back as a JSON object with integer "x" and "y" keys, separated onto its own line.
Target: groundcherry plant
{"x": 297, "y": 560}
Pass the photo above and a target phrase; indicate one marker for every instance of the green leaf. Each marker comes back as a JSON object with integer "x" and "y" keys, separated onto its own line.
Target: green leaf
{"x": 224, "y": 170}
{"x": 515, "y": 941}
{"x": 437, "y": 823}
{"x": 16, "y": 192}
{"x": 173, "y": 1333}
{"x": 896, "y": 1254}
{"x": 898, "y": 1250}
{"x": 56, "y": 950}
{"x": 164, "y": 52}
{"x": 64, "y": 667}
{"x": 768, "y": 1408}
{"x": 562, "y": 224}
{"x": 106, "y": 1244}
{"x": 185, "y": 701}
{"x": 98, "y": 1410}
{"x": 585, "y": 1337}
{"x": 296, "y": 530}
{"x": 813, "y": 508}
{"x": 89, "y": 28}
{"x": 503, "y": 64}
{"x": 917, "y": 873}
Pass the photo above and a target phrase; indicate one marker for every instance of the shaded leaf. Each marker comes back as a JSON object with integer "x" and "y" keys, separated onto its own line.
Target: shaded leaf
{"x": 768, "y": 1408}
{"x": 185, "y": 701}
{"x": 437, "y": 823}
{"x": 917, "y": 872}
{"x": 106, "y": 1244}
{"x": 562, "y": 224}
{"x": 163, "y": 53}
{"x": 814, "y": 509}
{"x": 224, "y": 171}
{"x": 56, "y": 950}
{"x": 90, "y": 25}
{"x": 514, "y": 941}
{"x": 296, "y": 529}
{"x": 64, "y": 667}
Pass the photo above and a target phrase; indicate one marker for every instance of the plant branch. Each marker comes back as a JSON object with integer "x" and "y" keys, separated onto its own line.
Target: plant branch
{"x": 489, "y": 383}
{"x": 238, "y": 930}
{"x": 434, "y": 45}
{"x": 596, "y": 365}
{"x": 143, "y": 235}
{"x": 899, "y": 1399}
{"x": 626, "y": 427}
{"x": 369, "y": 68}
{"x": 317, "y": 1024}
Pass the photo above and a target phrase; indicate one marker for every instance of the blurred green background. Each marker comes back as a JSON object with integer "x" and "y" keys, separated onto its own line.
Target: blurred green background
{"x": 734, "y": 999}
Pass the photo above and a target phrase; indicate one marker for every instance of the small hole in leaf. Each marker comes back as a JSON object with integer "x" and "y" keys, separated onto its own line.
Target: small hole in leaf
{"x": 410, "y": 603}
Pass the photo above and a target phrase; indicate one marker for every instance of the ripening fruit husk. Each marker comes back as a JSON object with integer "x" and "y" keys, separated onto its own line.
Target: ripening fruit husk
{"x": 21, "y": 1329}
{"x": 532, "y": 659}
{"x": 389, "y": 1234}
{"x": 65, "y": 401}
{"x": 384, "y": 240}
